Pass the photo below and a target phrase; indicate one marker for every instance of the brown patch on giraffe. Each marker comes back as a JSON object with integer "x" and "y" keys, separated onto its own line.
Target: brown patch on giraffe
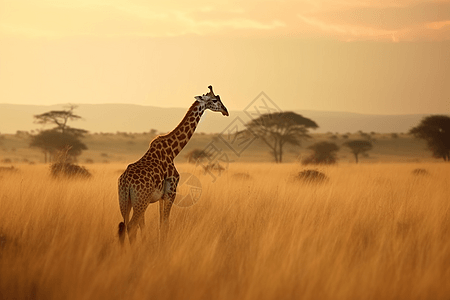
{"x": 182, "y": 136}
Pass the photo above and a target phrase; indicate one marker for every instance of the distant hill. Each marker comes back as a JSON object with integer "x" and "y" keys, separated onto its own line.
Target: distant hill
{"x": 138, "y": 118}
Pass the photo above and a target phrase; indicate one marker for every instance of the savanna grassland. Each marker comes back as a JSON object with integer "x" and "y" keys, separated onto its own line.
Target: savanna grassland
{"x": 372, "y": 231}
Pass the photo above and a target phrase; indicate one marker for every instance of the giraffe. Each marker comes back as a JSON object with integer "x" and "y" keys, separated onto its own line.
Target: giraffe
{"x": 154, "y": 177}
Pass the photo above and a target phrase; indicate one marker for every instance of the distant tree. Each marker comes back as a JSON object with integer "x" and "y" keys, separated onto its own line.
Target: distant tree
{"x": 364, "y": 135}
{"x": 195, "y": 155}
{"x": 334, "y": 137}
{"x": 323, "y": 153}
{"x": 60, "y": 118}
{"x": 435, "y": 130}
{"x": 278, "y": 129}
{"x": 51, "y": 142}
{"x": 358, "y": 147}
{"x": 61, "y": 136}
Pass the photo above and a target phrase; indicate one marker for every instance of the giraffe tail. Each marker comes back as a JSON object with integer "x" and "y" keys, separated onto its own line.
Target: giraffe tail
{"x": 122, "y": 230}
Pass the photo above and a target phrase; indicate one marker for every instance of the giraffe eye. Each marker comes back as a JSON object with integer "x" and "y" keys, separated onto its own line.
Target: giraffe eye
{"x": 215, "y": 100}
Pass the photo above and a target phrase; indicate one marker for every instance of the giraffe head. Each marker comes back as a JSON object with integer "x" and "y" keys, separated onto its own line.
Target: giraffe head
{"x": 212, "y": 102}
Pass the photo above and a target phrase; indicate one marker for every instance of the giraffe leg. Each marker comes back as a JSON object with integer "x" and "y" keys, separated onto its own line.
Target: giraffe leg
{"x": 133, "y": 226}
{"x": 125, "y": 209}
{"x": 122, "y": 229}
{"x": 164, "y": 211}
{"x": 165, "y": 204}
{"x": 142, "y": 227}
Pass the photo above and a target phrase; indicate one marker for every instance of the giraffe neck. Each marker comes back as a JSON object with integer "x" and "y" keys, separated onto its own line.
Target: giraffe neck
{"x": 180, "y": 136}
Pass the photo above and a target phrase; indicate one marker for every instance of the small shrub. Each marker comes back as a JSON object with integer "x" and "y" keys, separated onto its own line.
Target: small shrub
{"x": 209, "y": 168}
{"x": 312, "y": 176}
{"x": 241, "y": 176}
{"x": 64, "y": 167}
{"x": 195, "y": 155}
{"x": 68, "y": 170}
{"x": 420, "y": 172}
{"x": 11, "y": 169}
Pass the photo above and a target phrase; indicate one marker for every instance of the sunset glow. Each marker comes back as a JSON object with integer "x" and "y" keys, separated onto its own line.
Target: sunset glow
{"x": 322, "y": 55}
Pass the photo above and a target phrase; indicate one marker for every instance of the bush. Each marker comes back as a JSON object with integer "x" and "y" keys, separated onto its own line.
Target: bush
{"x": 11, "y": 169}
{"x": 311, "y": 176}
{"x": 421, "y": 172}
{"x": 68, "y": 170}
{"x": 323, "y": 153}
{"x": 64, "y": 167}
{"x": 241, "y": 176}
{"x": 195, "y": 155}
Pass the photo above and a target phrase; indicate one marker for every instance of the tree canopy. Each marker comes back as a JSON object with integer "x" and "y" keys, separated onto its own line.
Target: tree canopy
{"x": 358, "y": 147}
{"x": 278, "y": 129}
{"x": 435, "y": 130}
{"x": 50, "y": 142}
{"x": 53, "y": 140}
{"x": 60, "y": 118}
{"x": 323, "y": 153}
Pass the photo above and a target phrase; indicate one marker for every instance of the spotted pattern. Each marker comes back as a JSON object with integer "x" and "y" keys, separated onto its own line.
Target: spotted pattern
{"x": 154, "y": 177}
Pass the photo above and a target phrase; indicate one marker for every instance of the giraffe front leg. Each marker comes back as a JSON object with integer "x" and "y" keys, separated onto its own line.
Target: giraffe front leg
{"x": 142, "y": 227}
{"x": 165, "y": 204}
{"x": 164, "y": 211}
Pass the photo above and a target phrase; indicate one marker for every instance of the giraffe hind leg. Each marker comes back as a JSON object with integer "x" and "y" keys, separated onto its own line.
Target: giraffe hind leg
{"x": 125, "y": 208}
{"x": 133, "y": 226}
{"x": 122, "y": 230}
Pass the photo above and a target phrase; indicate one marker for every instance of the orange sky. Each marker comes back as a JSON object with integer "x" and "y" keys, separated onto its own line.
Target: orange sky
{"x": 389, "y": 57}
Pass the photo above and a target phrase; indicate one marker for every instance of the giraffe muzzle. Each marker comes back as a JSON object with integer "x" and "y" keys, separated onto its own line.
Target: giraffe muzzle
{"x": 225, "y": 112}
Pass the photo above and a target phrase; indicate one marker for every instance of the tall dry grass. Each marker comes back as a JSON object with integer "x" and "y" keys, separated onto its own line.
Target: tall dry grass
{"x": 370, "y": 232}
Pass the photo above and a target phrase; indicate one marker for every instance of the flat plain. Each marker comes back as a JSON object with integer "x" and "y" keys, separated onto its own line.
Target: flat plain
{"x": 257, "y": 231}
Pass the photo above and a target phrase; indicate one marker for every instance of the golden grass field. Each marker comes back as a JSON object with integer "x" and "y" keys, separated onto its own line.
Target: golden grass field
{"x": 373, "y": 231}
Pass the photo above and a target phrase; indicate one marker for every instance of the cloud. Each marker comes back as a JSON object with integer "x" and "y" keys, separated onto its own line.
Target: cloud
{"x": 121, "y": 18}
{"x": 348, "y": 32}
{"x": 388, "y": 16}
{"x": 438, "y": 25}
{"x": 337, "y": 19}
{"x": 413, "y": 21}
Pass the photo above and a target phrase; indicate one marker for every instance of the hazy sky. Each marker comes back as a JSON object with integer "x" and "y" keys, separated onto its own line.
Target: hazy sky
{"x": 381, "y": 57}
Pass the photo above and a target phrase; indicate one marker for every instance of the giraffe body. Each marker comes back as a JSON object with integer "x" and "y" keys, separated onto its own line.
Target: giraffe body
{"x": 154, "y": 177}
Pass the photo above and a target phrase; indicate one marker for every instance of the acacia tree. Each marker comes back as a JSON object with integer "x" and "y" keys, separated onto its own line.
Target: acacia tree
{"x": 60, "y": 118}
{"x": 53, "y": 140}
{"x": 323, "y": 153}
{"x": 278, "y": 129}
{"x": 435, "y": 130}
{"x": 358, "y": 147}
